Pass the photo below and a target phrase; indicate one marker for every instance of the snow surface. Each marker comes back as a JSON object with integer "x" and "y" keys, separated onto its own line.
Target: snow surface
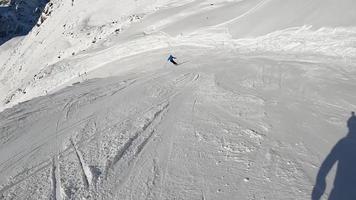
{"x": 91, "y": 109}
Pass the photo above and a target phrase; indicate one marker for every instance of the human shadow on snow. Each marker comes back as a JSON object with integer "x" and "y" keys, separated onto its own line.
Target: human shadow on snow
{"x": 19, "y": 17}
{"x": 344, "y": 153}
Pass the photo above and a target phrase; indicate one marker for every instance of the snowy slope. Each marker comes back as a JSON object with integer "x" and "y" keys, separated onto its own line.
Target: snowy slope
{"x": 273, "y": 15}
{"x": 89, "y": 27}
{"x": 94, "y": 111}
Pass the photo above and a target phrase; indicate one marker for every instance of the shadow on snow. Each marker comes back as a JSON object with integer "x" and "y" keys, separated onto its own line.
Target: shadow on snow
{"x": 344, "y": 153}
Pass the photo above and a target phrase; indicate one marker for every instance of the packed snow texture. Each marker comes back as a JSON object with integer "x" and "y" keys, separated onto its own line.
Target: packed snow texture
{"x": 259, "y": 108}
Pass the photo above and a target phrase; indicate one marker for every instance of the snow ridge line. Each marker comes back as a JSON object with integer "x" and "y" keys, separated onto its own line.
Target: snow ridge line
{"x": 120, "y": 154}
{"x": 134, "y": 146}
{"x": 131, "y": 82}
{"x": 143, "y": 144}
{"x": 67, "y": 107}
{"x": 196, "y": 77}
{"x": 86, "y": 173}
{"x": 253, "y": 9}
{"x": 56, "y": 181}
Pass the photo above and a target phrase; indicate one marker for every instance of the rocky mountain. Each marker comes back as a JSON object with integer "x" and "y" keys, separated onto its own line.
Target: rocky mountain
{"x": 17, "y": 17}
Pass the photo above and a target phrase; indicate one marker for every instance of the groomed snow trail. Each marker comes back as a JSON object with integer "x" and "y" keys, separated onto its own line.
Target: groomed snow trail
{"x": 245, "y": 130}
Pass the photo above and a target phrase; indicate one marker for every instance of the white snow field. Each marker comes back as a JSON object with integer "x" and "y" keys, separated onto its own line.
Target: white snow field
{"x": 91, "y": 109}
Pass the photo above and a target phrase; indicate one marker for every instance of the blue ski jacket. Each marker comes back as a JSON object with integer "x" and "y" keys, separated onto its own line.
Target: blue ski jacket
{"x": 171, "y": 58}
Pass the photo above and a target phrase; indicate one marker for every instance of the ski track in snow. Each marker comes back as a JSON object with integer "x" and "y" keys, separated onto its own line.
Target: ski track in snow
{"x": 193, "y": 122}
{"x": 239, "y": 118}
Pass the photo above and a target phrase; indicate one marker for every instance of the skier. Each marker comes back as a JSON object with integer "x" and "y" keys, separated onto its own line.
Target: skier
{"x": 171, "y": 59}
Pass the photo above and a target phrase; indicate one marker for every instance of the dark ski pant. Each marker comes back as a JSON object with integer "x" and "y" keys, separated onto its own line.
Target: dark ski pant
{"x": 174, "y": 62}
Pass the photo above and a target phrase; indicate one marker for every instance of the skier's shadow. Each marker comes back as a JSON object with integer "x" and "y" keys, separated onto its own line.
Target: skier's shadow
{"x": 344, "y": 153}
{"x": 18, "y": 18}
